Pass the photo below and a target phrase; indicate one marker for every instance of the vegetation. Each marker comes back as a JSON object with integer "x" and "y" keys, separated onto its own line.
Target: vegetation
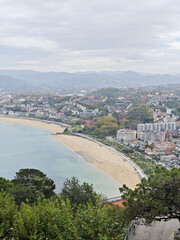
{"x": 77, "y": 212}
{"x": 175, "y": 105}
{"x": 78, "y": 193}
{"x": 74, "y": 214}
{"x": 108, "y": 92}
{"x": 156, "y": 198}
{"x": 55, "y": 219}
{"x": 5, "y": 184}
{"x": 76, "y": 128}
{"x": 29, "y": 184}
{"x": 124, "y": 123}
{"x": 142, "y": 114}
{"x": 105, "y": 126}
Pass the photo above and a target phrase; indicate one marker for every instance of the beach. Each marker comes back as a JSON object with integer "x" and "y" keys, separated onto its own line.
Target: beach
{"x": 106, "y": 160}
{"x": 103, "y": 158}
{"x": 34, "y": 123}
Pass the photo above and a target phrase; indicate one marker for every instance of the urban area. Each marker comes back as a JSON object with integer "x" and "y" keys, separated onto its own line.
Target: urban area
{"x": 143, "y": 123}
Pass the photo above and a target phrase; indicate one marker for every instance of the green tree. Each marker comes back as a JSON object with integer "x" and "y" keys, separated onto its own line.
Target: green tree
{"x": 124, "y": 123}
{"x": 8, "y": 213}
{"x": 156, "y": 198}
{"x": 105, "y": 126}
{"x": 78, "y": 193}
{"x": 106, "y": 120}
{"x": 142, "y": 113}
{"x": 31, "y": 184}
{"x": 5, "y": 184}
{"x": 56, "y": 219}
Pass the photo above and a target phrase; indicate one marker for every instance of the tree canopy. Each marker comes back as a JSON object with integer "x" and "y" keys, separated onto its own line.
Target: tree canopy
{"x": 105, "y": 126}
{"x": 56, "y": 219}
{"x": 30, "y": 184}
{"x": 142, "y": 114}
{"x": 5, "y": 184}
{"x": 124, "y": 123}
{"x": 156, "y": 198}
{"x": 78, "y": 193}
{"x": 108, "y": 92}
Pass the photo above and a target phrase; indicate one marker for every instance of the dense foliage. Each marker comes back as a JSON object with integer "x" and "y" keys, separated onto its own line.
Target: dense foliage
{"x": 5, "y": 184}
{"x": 77, "y": 213}
{"x": 105, "y": 126}
{"x": 28, "y": 211}
{"x": 108, "y": 92}
{"x": 142, "y": 114}
{"x": 78, "y": 193}
{"x": 124, "y": 123}
{"x": 156, "y": 198}
{"x": 55, "y": 219}
{"x": 31, "y": 184}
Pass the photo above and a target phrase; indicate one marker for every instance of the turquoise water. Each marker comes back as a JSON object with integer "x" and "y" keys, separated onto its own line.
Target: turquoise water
{"x": 29, "y": 147}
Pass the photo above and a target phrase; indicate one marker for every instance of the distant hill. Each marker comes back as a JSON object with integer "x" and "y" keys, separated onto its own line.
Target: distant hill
{"x": 11, "y": 84}
{"x": 108, "y": 92}
{"x": 55, "y": 80}
{"x": 165, "y": 87}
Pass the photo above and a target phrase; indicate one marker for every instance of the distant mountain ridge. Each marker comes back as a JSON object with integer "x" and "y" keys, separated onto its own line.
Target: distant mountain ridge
{"x": 8, "y": 83}
{"x": 27, "y": 79}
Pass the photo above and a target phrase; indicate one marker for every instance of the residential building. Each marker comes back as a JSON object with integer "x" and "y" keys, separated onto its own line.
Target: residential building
{"x": 126, "y": 135}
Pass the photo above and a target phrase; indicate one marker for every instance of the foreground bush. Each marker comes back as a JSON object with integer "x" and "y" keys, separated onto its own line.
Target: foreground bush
{"x": 57, "y": 219}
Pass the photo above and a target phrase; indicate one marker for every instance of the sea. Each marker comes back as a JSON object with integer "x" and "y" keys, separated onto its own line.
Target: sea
{"x": 29, "y": 147}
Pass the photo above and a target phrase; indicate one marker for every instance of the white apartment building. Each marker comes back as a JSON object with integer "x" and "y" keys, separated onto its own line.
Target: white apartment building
{"x": 157, "y": 127}
{"x": 126, "y": 135}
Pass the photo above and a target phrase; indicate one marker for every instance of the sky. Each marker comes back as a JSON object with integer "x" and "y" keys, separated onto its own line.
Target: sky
{"x": 93, "y": 35}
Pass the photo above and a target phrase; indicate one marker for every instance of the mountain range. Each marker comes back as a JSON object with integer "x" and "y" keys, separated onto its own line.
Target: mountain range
{"x": 14, "y": 80}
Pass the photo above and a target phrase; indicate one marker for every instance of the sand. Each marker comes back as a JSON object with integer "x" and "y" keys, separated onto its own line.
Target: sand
{"x": 100, "y": 156}
{"x": 34, "y": 123}
{"x": 103, "y": 158}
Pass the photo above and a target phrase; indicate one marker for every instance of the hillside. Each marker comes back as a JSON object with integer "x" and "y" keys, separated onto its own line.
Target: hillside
{"x": 55, "y": 80}
{"x": 8, "y": 83}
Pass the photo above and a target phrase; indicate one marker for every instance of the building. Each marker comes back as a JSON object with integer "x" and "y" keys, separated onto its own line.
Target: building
{"x": 126, "y": 135}
{"x": 151, "y": 136}
{"x": 168, "y": 111}
{"x": 165, "y": 126}
{"x": 148, "y": 151}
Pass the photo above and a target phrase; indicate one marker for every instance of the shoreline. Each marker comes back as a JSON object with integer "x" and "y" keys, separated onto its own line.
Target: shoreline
{"x": 85, "y": 157}
{"x": 101, "y": 157}
{"x": 45, "y": 125}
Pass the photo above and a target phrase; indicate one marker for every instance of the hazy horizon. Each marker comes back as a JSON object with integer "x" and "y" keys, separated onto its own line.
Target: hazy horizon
{"x": 86, "y": 71}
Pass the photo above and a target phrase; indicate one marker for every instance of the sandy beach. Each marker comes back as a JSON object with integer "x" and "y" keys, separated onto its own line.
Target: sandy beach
{"x": 34, "y": 123}
{"x": 103, "y": 158}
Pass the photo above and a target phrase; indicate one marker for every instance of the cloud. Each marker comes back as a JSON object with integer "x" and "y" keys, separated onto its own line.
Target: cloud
{"x": 78, "y": 35}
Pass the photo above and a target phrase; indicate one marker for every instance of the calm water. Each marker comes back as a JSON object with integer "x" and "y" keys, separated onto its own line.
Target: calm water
{"x": 28, "y": 147}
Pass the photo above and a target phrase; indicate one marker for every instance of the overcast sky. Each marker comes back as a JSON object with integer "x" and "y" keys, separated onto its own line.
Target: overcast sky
{"x": 90, "y": 35}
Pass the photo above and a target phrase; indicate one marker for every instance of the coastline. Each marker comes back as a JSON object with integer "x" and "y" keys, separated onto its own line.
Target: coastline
{"x": 109, "y": 162}
{"x": 53, "y": 127}
{"x": 106, "y": 160}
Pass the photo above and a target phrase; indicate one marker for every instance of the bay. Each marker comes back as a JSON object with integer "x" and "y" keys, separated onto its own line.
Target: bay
{"x": 29, "y": 147}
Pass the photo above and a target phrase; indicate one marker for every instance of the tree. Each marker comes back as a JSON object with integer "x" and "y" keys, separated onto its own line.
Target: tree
{"x": 124, "y": 123}
{"x": 78, "y": 193}
{"x": 30, "y": 184}
{"x": 141, "y": 113}
{"x": 56, "y": 219}
{"x": 5, "y": 184}
{"x": 106, "y": 120}
{"x": 156, "y": 198}
{"x": 106, "y": 126}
